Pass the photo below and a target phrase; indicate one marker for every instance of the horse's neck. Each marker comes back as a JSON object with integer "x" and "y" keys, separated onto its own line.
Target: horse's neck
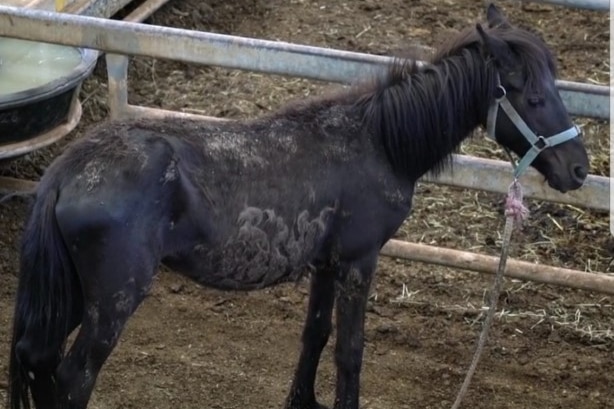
{"x": 447, "y": 101}
{"x": 467, "y": 87}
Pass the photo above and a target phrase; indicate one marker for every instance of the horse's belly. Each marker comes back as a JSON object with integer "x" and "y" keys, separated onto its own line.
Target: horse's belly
{"x": 264, "y": 250}
{"x": 245, "y": 270}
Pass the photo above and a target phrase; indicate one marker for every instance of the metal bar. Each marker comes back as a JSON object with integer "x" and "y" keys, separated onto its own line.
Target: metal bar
{"x": 11, "y": 186}
{"x": 117, "y": 73}
{"x": 496, "y": 176}
{"x": 598, "y": 282}
{"x": 466, "y": 172}
{"x": 136, "y": 111}
{"x": 117, "y": 64}
{"x": 593, "y": 89}
{"x": 272, "y": 57}
{"x": 585, "y": 100}
{"x": 582, "y": 104}
{"x": 598, "y": 5}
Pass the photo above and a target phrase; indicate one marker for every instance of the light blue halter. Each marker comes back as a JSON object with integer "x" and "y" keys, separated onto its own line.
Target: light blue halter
{"x": 538, "y": 143}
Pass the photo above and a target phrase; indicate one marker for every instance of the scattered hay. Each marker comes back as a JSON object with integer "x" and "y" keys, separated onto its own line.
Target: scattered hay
{"x": 582, "y": 322}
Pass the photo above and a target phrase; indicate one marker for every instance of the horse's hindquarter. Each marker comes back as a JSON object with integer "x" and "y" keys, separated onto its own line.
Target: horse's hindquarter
{"x": 123, "y": 182}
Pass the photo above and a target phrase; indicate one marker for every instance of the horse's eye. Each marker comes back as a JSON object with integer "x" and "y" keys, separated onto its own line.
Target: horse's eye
{"x": 536, "y": 100}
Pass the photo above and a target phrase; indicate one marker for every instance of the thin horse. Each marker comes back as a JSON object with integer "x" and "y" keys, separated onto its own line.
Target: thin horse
{"x": 316, "y": 188}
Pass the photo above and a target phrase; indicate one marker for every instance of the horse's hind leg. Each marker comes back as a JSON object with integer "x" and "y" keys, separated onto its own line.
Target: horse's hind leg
{"x": 315, "y": 336}
{"x": 115, "y": 277}
{"x": 352, "y": 291}
{"x": 42, "y": 355}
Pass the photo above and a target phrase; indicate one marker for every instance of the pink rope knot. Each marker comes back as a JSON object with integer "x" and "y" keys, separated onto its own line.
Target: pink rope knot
{"x": 513, "y": 203}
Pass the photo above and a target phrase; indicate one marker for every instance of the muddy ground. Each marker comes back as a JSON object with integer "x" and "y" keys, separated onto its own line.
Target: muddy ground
{"x": 189, "y": 347}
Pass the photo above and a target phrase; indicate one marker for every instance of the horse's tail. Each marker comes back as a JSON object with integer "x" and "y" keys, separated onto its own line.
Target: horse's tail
{"x": 47, "y": 292}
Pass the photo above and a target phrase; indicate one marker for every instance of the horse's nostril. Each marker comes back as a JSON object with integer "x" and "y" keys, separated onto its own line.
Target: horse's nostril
{"x": 579, "y": 173}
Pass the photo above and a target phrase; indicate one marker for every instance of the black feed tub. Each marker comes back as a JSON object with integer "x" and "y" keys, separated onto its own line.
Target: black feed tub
{"x": 27, "y": 114}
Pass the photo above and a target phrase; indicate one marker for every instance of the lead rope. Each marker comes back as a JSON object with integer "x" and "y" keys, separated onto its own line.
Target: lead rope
{"x": 515, "y": 213}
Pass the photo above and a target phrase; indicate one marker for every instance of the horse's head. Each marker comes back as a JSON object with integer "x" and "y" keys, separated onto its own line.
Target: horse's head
{"x": 526, "y": 114}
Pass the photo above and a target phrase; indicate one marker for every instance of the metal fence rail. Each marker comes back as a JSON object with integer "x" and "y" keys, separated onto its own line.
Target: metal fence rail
{"x": 273, "y": 57}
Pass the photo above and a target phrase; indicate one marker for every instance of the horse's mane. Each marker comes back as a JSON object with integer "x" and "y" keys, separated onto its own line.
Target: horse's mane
{"x": 423, "y": 109}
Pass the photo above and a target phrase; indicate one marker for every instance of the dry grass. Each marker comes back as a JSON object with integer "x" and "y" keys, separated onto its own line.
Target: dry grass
{"x": 582, "y": 320}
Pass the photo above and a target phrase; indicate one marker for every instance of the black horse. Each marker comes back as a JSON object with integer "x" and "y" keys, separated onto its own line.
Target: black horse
{"x": 316, "y": 188}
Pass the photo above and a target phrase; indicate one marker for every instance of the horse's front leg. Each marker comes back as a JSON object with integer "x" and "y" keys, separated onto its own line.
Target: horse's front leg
{"x": 315, "y": 336}
{"x": 352, "y": 291}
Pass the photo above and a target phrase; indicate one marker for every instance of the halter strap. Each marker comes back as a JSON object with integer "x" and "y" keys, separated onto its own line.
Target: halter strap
{"x": 538, "y": 143}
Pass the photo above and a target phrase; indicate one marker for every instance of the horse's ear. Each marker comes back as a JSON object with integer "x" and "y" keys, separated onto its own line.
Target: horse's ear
{"x": 498, "y": 49}
{"x": 495, "y": 17}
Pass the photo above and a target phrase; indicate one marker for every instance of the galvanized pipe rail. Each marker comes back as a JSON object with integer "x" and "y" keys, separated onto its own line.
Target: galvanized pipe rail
{"x": 272, "y": 57}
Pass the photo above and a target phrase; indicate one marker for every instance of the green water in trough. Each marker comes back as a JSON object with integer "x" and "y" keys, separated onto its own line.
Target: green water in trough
{"x": 26, "y": 65}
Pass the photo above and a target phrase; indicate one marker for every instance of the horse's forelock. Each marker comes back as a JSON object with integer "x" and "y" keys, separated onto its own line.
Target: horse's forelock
{"x": 534, "y": 54}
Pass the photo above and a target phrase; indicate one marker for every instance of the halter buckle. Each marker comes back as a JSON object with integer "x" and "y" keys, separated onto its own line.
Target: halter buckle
{"x": 540, "y": 143}
{"x": 500, "y": 93}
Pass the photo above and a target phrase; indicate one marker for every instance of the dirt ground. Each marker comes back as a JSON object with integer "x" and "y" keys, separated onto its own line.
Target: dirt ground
{"x": 190, "y": 347}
